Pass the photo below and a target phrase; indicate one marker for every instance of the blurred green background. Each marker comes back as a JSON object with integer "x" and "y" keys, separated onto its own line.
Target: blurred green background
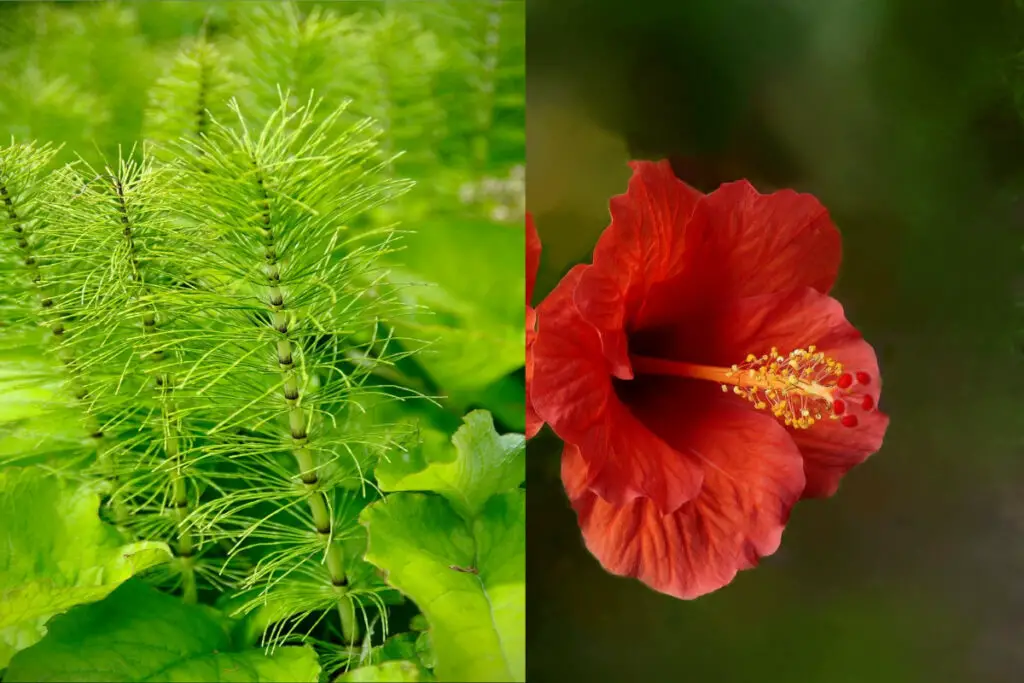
{"x": 900, "y": 117}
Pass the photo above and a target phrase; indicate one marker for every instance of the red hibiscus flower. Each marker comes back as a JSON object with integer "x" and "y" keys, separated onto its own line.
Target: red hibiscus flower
{"x": 702, "y": 379}
{"x": 533, "y": 423}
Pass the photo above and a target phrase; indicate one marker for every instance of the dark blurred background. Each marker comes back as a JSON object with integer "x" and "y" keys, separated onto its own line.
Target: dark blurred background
{"x": 902, "y": 118}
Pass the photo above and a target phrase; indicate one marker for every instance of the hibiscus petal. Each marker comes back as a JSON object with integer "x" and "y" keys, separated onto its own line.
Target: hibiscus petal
{"x": 748, "y": 243}
{"x": 571, "y": 389}
{"x": 627, "y": 460}
{"x": 533, "y": 421}
{"x": 797, "y": 320}
{"x": 753, "y": 476}
{"x": 532, "y": 258}
{"x": 831, "y": 450}
{"x": 640, "y": 248}
{"x": 570, "y": 386}
{"x": 672, "y": 253}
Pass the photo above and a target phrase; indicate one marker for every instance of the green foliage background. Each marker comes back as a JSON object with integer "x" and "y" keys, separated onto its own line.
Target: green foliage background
{"x": 444, "y": 83}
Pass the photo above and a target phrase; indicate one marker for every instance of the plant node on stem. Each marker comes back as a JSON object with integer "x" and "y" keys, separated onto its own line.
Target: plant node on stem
{"x": 304, "y": 458}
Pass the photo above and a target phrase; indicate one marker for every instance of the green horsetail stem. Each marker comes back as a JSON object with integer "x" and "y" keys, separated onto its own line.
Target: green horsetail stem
{"x": 304, "y": 458}
{"x": 58, "y": 329}
{"x": 185, "y": 546}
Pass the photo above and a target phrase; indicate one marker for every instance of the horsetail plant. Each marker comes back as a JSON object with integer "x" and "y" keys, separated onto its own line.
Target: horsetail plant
{"x": 195, "y": 89}
{"x": 227, "y": 345}
{"x": 177, "y": 278}
{"x": 35, "y": 293}
{"x": 113, "y": 236}
{"x": 291, "y": 291}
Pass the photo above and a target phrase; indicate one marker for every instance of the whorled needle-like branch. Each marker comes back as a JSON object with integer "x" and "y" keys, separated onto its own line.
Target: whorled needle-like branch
{"x": 290, "y": 289}
{"x": 117, "y": 232}
{"x": 195, "y": 88}
{"x": 25, "y": 192}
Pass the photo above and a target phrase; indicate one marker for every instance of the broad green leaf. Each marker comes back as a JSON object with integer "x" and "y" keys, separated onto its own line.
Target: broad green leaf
{"x": 403, "y": 648}
{"x": 425, "y": 650}
{"x": 141, "y": 634}
{"x": 394, "y": 672}
{"x": 505, "y": 398}
{"x": 484, "y": 464}
{"x": 468, "y": 578}
{"x": 19, "y": 398}
{"x": 469, "y": 277}
{"x": 56, "y": 553}
{"x": 398, "y": 647}
{"x": 36, "y": 419}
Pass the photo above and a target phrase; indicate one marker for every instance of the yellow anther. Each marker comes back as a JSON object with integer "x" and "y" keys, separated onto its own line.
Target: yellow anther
{"x": 795, "y": 387}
